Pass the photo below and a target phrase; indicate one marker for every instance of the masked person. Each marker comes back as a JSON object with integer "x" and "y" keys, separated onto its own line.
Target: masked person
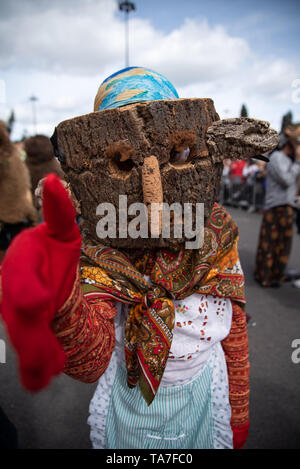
{"x": 162, "y": 325}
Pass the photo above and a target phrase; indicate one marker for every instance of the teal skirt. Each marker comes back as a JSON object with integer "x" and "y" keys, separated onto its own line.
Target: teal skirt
{"x": 179, "y": 417}
{"x": 191, "y": 415}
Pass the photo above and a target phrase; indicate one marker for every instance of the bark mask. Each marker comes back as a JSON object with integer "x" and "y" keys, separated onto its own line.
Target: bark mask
{"x": 145, "y": 143}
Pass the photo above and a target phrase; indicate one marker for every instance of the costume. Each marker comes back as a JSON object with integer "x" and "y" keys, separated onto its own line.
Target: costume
{"x": 16, "y": 206}
{"x": 162, "y": 325}
{"x": 40, "y": 159}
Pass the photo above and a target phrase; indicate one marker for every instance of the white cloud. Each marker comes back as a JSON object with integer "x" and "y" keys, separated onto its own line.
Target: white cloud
{"x": 78, "y": 41}
{"x": 274, "y": 78}
{"x": 91, "y": 37}
{"x": 61, "y": 53}
{"x": 195, "y": 52}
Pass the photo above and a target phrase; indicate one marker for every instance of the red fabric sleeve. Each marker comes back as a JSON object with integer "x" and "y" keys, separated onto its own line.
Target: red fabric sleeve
{"x": 39, "y": 271}
{"x": 85, "y": 329}
{"x": 240, "y": 435}
{"x": 37, "y": 275}
{"x": 236, "y": 351}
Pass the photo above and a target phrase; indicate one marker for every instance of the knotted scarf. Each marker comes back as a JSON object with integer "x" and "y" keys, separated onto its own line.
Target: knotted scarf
{"x": 173, "y": 275}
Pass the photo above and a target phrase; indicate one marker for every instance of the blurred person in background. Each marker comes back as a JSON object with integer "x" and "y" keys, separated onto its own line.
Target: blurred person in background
{"x": 237, "y": 179}
{"x": 253, "y": 190}
{"x": 276, "y": 233}
{"x": 260, "y": 185}
{"x": 40, "y": 159}
{"x": 297, "y": 203}
{"x": 296, "y": 282}
{"x": 226, "y": 186}
{"x": 16, "y": 207}
{"x": 8, "y": 433}
{"x": 247, "y": 193}
{"x": 20, "y": 146}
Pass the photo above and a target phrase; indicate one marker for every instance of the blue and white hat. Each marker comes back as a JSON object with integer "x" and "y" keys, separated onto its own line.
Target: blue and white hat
{"x": 133, "y": 85}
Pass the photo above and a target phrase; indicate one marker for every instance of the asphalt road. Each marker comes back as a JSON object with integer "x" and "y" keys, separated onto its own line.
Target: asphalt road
{"x": 56, "y": 418}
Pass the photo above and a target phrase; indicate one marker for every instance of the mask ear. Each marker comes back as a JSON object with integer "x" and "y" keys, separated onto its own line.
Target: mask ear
{"x": 240, "y": 139}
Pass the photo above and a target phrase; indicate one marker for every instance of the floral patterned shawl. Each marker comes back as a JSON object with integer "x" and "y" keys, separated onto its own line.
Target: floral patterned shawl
{"x": 214, "y": 269}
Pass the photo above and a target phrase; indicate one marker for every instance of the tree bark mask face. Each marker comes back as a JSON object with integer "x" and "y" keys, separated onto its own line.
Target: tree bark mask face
{"x": 110, "y": 153}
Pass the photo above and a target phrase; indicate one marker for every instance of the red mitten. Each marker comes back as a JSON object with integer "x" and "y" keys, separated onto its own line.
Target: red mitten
{"x": 240, "y": 435}
{"x": 38, "y": 273}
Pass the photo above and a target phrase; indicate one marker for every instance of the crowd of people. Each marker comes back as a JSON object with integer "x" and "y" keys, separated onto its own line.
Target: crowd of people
{"x": 243, "y": 184}
{"x": 272, "y": 189}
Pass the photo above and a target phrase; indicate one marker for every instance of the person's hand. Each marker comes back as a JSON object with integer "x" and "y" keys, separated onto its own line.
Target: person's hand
{"x": 38, "y": 273}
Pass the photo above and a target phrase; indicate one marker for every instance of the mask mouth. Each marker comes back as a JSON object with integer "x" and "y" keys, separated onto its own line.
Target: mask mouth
{"x": 8, "y": 231}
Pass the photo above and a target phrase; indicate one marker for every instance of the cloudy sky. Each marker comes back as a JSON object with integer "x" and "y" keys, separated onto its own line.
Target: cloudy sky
{"x": 232, "y": 51}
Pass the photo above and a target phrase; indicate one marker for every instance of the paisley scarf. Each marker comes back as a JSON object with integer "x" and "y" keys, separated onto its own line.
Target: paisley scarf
{"x": 173, "y": 275}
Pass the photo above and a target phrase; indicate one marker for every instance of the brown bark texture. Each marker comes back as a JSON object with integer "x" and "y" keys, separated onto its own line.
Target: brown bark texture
{"x": 102, "y": 155}
{"x": 240, "y": 138}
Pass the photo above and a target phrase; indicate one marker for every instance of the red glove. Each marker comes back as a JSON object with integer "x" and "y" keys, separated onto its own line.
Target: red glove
{"x": 240, "y": 435}
{"x": 38, "y": 273}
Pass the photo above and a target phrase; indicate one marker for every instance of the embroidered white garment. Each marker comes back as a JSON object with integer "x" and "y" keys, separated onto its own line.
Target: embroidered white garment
{"x": 201, "y": 323}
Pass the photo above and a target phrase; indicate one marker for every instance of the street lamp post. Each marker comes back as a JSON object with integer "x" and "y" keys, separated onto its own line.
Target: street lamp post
{"x": 127, "y": 7}
{"x": 34, "y": 99}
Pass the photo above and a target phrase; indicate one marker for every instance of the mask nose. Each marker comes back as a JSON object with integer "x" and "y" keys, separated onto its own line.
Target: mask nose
{"x": 152, "y": 193}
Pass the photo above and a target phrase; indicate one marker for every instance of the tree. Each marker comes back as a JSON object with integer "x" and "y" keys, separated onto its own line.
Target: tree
{"x": 10, "y": 122}
{"x": 244, "y": 112}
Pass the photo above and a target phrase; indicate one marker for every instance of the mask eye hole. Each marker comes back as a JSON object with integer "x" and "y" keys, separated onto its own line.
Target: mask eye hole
{"x": 182, "y": 147}
{"x": 120, "y": 162}
{"x": 178, "y": 157}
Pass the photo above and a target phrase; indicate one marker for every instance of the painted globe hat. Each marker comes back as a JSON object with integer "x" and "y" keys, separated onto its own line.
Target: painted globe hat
{"x": 133, "y": 85}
